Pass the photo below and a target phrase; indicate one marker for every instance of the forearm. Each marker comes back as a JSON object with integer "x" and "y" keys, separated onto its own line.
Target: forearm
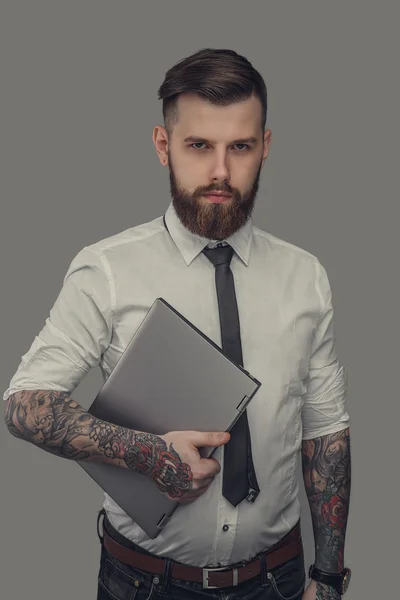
{"x": 327, "y": 478}
{"x": 56, "y": 423}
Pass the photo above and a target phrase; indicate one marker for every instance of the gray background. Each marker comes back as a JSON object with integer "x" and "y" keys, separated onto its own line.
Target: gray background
{"x": 79, "y": 102}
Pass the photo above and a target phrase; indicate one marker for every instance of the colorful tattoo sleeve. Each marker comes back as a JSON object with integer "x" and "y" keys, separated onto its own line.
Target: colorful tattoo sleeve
{"x": 327, "y": 476}
{"x": 55, "y": 422}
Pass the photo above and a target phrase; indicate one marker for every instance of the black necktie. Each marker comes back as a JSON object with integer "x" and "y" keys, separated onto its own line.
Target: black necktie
{"x": 239, "y": 479}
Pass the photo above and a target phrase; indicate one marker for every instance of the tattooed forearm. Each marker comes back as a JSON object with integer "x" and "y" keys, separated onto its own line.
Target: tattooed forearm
{"x": 55, "y": 422}
{"x": 327, "y": 477}
{"x": 326, "y": 592}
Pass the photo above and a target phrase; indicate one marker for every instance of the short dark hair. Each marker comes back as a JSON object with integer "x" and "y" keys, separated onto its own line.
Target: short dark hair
{"x": 220, "y": 76}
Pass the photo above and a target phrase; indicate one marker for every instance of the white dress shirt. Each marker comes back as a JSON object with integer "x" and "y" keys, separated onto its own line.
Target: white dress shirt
{"x": 288, "y": 341}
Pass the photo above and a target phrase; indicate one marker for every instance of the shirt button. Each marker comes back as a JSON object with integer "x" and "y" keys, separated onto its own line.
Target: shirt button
{"x": 225, "y": 527}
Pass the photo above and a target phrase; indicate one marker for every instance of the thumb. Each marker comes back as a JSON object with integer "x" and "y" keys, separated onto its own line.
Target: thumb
{"x": 210, "y": 438}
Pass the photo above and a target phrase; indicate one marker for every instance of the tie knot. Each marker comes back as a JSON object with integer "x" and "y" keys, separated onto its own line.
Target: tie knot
{"x": 220, "y": 255}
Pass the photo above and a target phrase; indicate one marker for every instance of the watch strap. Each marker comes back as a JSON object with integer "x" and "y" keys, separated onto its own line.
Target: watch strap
{"x": 334, "y": 580}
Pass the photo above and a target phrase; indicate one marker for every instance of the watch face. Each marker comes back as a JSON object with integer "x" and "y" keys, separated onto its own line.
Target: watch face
{"x": 346, "y": 580}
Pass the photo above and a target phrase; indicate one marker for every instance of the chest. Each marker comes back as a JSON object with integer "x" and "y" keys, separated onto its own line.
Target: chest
{"x": 278, "y": 308}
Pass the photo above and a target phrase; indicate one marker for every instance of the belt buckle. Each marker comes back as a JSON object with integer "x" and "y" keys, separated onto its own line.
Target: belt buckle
{"x": 207, "y": 586}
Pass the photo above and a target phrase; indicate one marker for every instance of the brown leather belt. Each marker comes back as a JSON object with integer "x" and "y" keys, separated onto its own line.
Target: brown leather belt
{"x": 287, "y": 548}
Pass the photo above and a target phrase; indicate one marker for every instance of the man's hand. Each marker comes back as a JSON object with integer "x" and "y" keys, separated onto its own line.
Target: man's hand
{"x": 180, "y": 472}
{"x": 319, "y": 591}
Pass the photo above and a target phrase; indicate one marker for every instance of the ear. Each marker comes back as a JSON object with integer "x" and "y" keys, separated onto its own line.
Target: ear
{"x": 160, "y": 141}
{"x": 267, "y": 143}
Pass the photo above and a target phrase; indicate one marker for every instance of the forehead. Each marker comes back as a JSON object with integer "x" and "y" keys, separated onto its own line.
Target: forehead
{"x": 198, "y": 117}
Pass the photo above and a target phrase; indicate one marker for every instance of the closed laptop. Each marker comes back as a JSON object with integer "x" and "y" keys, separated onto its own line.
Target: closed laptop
{"x": 171, "y": 377}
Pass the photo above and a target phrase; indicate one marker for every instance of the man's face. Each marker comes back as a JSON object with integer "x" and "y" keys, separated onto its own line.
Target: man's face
{"x": 214, "y": 149}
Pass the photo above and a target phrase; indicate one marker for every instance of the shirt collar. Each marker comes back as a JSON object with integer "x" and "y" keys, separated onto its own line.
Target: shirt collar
{"x": 190, "y": 244}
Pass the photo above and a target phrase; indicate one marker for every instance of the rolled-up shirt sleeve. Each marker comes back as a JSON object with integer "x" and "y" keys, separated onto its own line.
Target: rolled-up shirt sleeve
{"x": 324, "y": 410}
{"x": 76, "y": 333}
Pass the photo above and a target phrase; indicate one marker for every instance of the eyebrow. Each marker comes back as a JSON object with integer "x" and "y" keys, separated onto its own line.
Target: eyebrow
{"x": 249, "y": 140}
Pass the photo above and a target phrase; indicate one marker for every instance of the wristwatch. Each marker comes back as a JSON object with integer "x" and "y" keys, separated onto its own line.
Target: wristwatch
{"x": 339, "y": 581}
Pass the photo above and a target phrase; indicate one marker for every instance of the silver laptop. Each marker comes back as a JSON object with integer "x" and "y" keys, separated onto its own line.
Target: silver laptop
{"x": 171, "y": 377}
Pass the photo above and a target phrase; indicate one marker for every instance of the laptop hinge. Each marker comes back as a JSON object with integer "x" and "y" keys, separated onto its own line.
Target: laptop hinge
{"x": 163, "y": 521}
{"x": 242, "y": 404}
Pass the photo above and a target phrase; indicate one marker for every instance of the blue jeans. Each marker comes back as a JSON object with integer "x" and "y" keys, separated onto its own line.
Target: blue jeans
{"x": 118, "y": 581}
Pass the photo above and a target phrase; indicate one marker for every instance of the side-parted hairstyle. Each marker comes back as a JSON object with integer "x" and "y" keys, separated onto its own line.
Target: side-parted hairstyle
{"x": 220, "y": 76}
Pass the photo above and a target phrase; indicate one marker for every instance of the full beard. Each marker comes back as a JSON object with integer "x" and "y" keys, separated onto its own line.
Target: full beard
{"x": 209, "y": 220}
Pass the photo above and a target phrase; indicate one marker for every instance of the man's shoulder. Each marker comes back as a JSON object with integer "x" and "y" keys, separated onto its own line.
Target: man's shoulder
{"x": 127, "y": 237}
{"x": 283, "y": 247}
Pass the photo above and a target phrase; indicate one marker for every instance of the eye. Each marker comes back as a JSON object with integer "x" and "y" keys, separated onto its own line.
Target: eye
{"x": 244, "y": 147}
{"x": 238, "y": 147}
{"x": 198, "y": 144}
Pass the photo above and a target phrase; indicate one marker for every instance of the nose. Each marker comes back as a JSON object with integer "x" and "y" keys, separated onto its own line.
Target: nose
{"x": 219, "y": 171}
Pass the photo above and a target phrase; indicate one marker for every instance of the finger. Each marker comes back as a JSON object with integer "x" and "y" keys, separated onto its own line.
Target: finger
{"x": 194, "y": 495}
{"x": 200, "y": 484}
{"x": 209, "y": 466}
{"x": 199, "y": 489}
{"x": 209, "y": 438}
